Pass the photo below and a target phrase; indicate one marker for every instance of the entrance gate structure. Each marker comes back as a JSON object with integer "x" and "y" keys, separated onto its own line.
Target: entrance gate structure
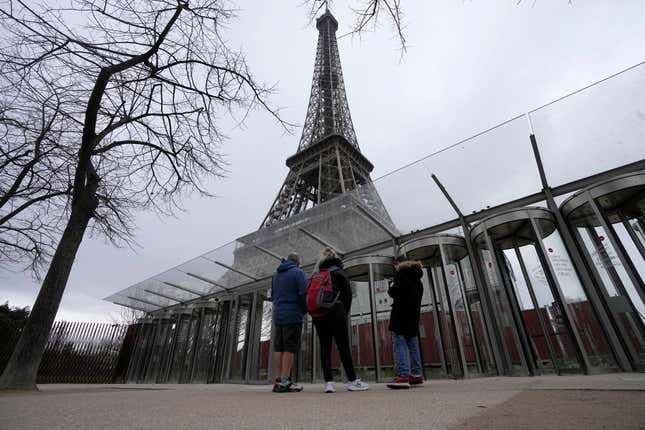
{"x": 509, "y": 288}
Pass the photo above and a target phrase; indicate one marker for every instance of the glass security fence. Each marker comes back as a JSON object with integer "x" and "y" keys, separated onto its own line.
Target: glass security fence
{"x": 250, "y": 346}
{"x": 545, "y": 320}
{"x": 608, "y": 221}
{"x": 136, "y": 368}
{"x": 181, "y": 347}
{"x": 259, "y": 367}
{"x": 308, "y": 359}
{"x": 240, "y": 340}
{"x": 369, "y": 317}
{"x": 452, "y": 332}
{"x": 207, "y": 363}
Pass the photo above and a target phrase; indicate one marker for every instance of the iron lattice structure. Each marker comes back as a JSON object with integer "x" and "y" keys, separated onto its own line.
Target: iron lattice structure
{"x": 328, "y": 161}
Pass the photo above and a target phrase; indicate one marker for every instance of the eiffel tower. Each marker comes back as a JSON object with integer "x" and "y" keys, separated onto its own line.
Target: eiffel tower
{"x": 328, "y": 162}
{"x": 328, "y": 198}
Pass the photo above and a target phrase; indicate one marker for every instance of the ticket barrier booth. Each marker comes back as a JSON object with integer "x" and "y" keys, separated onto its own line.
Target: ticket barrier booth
{"x": 452, "y": 330}
{"x": 543, "y": 317}
{"x": 607, "y": 220}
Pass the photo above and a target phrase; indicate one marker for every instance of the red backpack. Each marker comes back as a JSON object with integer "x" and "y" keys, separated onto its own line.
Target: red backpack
{"x": 320, "y": 294}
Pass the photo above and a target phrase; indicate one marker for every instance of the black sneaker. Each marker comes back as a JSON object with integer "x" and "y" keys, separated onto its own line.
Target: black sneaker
{"x": 276, "y": 385}
{"x": 416, "y": 381}
{"x": 287, "y": 387}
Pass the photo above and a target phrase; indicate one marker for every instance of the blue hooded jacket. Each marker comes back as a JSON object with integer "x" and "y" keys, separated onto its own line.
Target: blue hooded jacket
{"x": 288, "y": 294}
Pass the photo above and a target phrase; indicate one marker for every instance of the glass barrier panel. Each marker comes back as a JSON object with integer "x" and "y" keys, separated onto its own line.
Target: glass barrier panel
{"x": 362, "y": 339}
{"x": 186, "y": 283}
{"x": 586, "y": 323}
{"x": 596, "y": 129}
{"x": 489, "y": 169}
{"x": 412, "y": 199}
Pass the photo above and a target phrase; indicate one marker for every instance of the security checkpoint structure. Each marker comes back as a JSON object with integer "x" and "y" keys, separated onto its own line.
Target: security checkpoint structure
{"x": 531, "y": 267}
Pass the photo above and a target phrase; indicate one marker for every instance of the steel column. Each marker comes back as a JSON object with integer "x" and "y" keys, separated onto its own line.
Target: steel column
{"x": 374, "y": 319}
{"x": 572, "y": 249}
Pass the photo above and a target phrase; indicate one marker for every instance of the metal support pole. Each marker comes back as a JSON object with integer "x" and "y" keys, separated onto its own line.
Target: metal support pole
{"x": 374, "y": 318}
{"x": 495, "y": 343}
{"x": 471, "y": 327}
{"x": 580, "y": 267}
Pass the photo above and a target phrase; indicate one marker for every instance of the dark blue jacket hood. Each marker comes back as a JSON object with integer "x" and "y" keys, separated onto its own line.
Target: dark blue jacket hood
{"x": 288, "y": 290}
{"x": 286, "y": 265}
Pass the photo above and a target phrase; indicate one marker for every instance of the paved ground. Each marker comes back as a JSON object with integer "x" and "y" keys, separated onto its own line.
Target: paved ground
{"x": 576, "y": 402}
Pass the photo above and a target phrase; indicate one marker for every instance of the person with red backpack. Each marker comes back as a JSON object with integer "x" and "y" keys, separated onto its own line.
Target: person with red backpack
{"x": 329, "y": 298}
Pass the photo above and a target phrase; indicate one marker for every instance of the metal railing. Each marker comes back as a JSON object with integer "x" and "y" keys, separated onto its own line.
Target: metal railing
{"x": 84, "y": 353}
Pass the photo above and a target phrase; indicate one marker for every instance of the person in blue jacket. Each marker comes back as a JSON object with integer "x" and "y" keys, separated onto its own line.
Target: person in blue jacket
{"x": 288, "y": 291}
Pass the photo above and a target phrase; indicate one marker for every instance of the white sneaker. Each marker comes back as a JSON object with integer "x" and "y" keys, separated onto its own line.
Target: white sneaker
{"x": 330, "y": 387}
{"x": 357, "y": 385}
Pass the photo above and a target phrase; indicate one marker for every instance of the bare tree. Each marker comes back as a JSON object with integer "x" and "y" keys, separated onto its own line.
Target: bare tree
{"x": 148, "y": 81}
{"x": 34, "y": 174}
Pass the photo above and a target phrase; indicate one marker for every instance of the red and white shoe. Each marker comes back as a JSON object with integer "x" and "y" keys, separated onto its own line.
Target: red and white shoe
{"x": 399, "y": 383}
{"x": 415, "y": 381}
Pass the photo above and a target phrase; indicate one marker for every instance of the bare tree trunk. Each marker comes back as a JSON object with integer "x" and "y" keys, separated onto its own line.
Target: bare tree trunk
{"x": 22, "y": 369}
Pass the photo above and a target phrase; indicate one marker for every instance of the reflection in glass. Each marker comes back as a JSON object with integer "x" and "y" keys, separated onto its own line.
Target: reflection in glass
{"x": 240, "y": 338}
{"x": 362, "y": 342}
{"x": 264, "y": 317}
{"x": 207, "y": 348}
{"x": 502, "y": 311}
{"x": 618, "y": 290}
{"x": 556, "y": 324}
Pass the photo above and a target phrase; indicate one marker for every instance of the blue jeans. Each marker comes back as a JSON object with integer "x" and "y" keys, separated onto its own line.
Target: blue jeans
{"x": 407, "y": 348}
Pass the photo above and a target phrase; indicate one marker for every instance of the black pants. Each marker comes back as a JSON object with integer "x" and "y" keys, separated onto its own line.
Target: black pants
{"x": 334, "y": 325}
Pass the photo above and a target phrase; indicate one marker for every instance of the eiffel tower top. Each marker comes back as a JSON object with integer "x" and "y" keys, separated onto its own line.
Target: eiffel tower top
{"x": 328, "y": 111}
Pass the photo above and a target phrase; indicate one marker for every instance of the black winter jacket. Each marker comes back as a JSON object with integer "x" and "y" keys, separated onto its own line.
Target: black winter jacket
{"x": 339, "y": 281}
{"x": 406, "y": 291}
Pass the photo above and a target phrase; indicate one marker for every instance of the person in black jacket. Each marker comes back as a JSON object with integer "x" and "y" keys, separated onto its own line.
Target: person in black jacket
{"x": 406, "y": 291}
{"x": 334, "y": 325}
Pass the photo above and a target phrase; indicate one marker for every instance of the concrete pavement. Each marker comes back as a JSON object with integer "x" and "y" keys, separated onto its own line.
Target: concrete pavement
{"x": 598, "y": 401}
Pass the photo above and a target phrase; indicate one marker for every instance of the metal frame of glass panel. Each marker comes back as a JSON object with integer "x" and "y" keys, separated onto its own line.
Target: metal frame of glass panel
{"x": 595, "y": 215}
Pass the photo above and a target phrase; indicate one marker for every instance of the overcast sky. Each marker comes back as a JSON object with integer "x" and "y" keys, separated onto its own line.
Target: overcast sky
{"x": 471, "y": 65}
